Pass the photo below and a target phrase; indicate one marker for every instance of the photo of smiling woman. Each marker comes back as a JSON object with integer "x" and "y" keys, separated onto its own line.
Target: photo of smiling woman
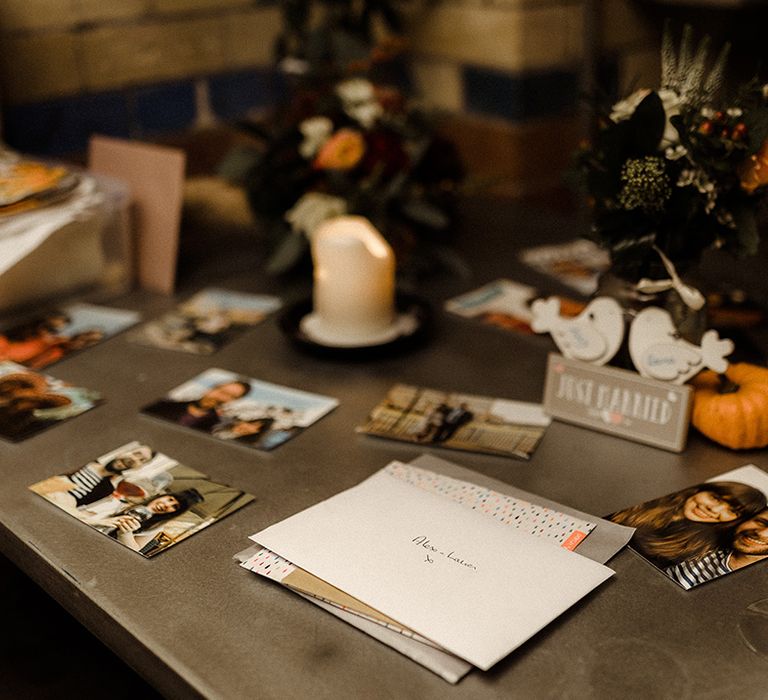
{"x": 145, "y": 519}
{"x": 690, "y": 523}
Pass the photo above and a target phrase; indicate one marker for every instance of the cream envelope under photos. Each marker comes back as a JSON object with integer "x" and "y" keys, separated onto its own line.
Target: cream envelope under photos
{"x": 466, "y": 582}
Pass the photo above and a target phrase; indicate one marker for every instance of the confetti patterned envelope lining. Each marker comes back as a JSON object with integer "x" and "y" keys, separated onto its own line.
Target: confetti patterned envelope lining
{"x": 526, "y": 516}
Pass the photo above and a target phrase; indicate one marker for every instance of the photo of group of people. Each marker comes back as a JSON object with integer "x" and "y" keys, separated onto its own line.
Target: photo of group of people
{"x": 46, "y": 339}
{"x": 705, "y": 531}
{"x": 143, "y": 499}
{"x": 241, "y": 410}
{"x": 30, "y": 402}
{"x": 206, "y": 321}
{"x": 458, "y": 421}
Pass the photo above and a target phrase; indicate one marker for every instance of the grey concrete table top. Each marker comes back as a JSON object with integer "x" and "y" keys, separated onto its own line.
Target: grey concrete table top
{"x": 195, "y": 624}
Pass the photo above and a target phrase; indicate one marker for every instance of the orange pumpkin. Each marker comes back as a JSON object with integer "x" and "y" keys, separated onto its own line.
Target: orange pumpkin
{"x": 732, "y": 408}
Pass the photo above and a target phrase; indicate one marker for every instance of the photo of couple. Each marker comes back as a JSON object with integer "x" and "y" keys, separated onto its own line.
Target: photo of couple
{"x": 46, "y": 339}
{"x": 31, "y": 402}
{"x": 705, "y": 531}
{"x": 241, "y": 410}
{"x": 206, "y": 321}
{"x": 143, "y": 499}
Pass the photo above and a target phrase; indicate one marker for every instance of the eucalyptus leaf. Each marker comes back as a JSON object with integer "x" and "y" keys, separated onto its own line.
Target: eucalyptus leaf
{"x": 452, "y": 261}
{"x": 288, "y": 253}
{"x": 238, "y": 163}
{"x": 425, "y": 213}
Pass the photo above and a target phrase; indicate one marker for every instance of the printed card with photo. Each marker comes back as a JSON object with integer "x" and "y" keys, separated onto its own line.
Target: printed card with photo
{"x": 577, "y": 263}
{"x": 46, "y": 339}
{"x": 241, "y": 410}
{"x": 206, "y": 321}
{"x": 30, "y": 402}
{"x": 705, "y": 531}
{"x": 144, "y": 499}
{"x": 505, "y": 304}
{"x": 458, "y": 421}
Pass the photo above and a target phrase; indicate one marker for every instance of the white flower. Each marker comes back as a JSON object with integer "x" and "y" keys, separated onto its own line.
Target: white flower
{"x": 312, "y": 209}
{"x": 316, "y": 131}
{"x": 355, "y": 91}
{"x": 671, "y": 102}
{"x": 734, "y": 112}
{"x": 625, "y": 108}
{"x": 358, "y": 99}
{"x": 675, "y": 152}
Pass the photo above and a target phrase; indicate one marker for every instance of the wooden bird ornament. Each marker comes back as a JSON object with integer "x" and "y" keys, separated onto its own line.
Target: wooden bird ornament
{"x": 593, "y": 336}
{"x": 658, "y": 351}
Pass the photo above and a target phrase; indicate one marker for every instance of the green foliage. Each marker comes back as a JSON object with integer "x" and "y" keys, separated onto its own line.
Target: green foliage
{"x": 675, "y": 169}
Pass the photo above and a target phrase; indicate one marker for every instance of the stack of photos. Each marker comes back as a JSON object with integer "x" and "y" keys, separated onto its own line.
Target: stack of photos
{"x": 206, "y": 321}
{"x": 46, "y": 339}
{"x": 705, "y": 531}
{"x": 26, "y": 185}
{"x": 241, "y": 410}
{"x": 144, "y": 499}
{"x": 458, "y": 421}
{"x": 31, "y": 402}
{"x": 505, "y": 304}
{"x": 577, "y": 264}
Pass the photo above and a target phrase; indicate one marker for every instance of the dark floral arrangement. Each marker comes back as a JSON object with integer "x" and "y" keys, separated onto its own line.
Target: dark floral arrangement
{"x": 681, "y": 169}
{"x": 348, "y": 141}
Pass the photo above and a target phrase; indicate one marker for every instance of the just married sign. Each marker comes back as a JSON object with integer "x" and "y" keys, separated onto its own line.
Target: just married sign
{"x": 618, "y": 402}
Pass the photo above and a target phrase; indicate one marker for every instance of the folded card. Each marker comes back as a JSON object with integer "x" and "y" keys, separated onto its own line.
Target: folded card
{"x": 468, "y": 583}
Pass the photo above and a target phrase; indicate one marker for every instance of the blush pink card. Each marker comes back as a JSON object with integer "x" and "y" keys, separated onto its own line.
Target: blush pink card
{"x": 155, "y": 175}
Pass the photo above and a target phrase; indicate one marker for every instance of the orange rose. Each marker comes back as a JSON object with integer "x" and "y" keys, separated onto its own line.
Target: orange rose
{"x": 754, "y": 174}
{"x": 343, "y": 151}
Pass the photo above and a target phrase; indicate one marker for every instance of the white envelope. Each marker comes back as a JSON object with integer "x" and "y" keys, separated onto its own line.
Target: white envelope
{"x": 477, "y": 588}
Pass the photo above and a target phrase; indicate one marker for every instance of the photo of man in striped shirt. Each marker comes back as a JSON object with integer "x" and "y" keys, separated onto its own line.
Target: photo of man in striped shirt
{"x": 749, "y": 544}
{"x": 98, "y": 478}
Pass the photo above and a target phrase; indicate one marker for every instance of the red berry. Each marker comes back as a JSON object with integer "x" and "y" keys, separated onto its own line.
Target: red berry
{"x": 705, "y": 127}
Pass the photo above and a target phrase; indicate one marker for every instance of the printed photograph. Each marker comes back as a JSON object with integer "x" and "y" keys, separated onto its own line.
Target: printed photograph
{"x": 144, "y": 499}
{"x": 458, "y": 421}
{"x": 207, "y": 321}
{"x": 48, "y": 338}
{"x": 505, "y": 304}
{"x": 706, "y": 531}
{"x": 241, "y": 410}
{"x": 30, "y": 402}
{"x": 577, "y": 264}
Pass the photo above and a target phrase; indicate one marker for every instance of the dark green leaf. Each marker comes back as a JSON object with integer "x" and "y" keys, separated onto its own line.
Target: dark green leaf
{"x": 425, "y": 214}
{"x": 647, "y": 126}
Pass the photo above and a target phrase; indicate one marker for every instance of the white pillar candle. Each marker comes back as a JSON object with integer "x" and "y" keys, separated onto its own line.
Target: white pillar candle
{"x": 354, "y": 291}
